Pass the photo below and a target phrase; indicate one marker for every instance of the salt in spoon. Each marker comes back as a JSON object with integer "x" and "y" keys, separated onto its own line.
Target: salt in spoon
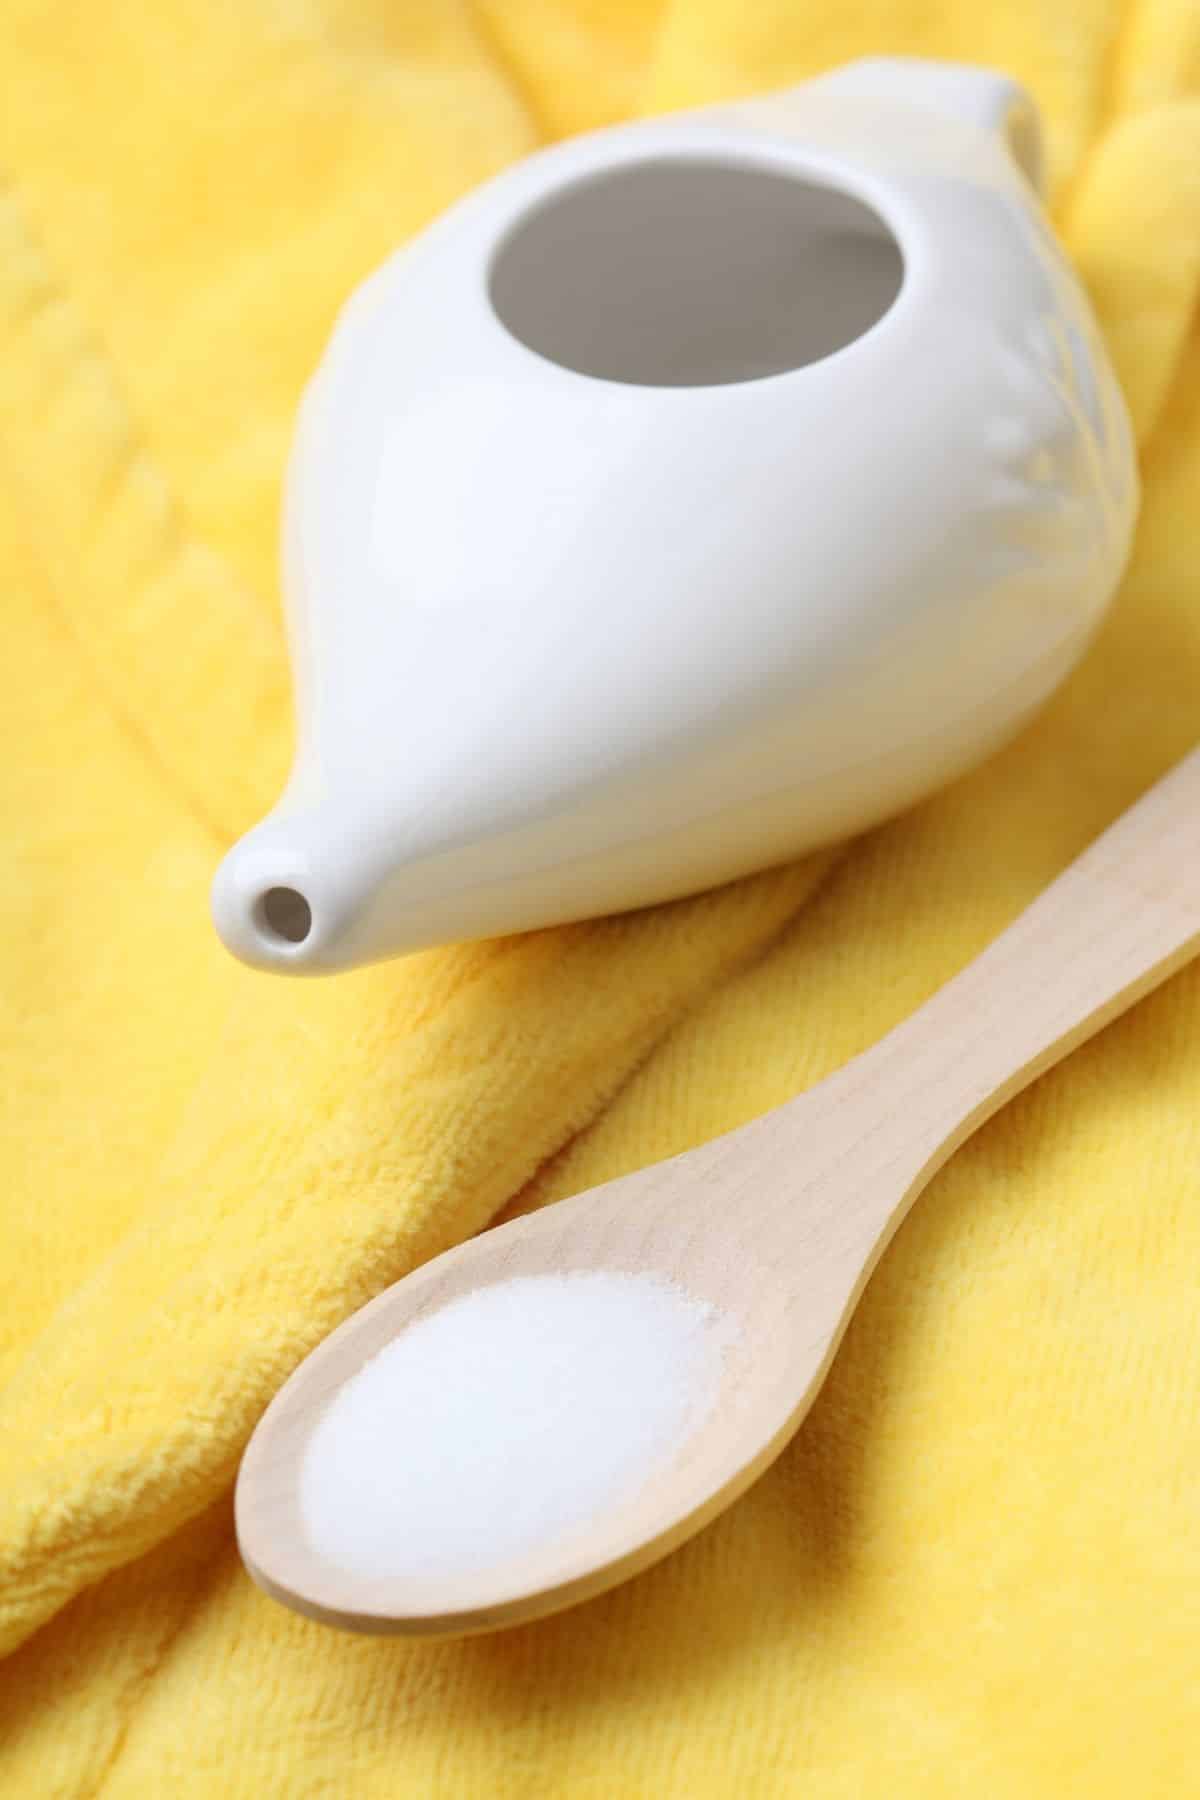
{"x": 775, "y": 1228}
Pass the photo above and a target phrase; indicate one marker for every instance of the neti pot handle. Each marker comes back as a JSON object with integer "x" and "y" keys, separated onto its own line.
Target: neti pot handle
{"x": 956, "y": 90}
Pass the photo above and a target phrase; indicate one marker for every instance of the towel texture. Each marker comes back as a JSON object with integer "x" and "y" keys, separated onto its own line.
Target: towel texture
{"x": 977, "y": 1570}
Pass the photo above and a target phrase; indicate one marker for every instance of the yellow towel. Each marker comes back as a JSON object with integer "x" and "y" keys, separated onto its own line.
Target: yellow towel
{"x": 977, "y": 1570}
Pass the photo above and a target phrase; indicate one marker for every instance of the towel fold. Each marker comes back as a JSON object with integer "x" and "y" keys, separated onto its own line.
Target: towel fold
{"x": 978, "y": 1566}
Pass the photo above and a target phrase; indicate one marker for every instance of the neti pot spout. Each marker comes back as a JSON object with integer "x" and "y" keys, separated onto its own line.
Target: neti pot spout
{"x": 331, "y": 885}
{"x": 289, "y": 895}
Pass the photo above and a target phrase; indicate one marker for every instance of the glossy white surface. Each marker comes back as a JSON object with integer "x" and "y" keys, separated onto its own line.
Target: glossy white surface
{"x": 567, "y": 642}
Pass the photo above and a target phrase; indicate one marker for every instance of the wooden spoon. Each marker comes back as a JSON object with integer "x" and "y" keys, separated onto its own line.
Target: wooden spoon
{"x": 777, "y": 1225}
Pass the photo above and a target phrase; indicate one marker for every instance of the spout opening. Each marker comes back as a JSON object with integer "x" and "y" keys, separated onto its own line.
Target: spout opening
{"x": 282, "y": 916}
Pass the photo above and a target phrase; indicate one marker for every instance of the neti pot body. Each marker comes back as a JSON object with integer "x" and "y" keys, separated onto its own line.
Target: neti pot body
{"x": 694, "y": 492}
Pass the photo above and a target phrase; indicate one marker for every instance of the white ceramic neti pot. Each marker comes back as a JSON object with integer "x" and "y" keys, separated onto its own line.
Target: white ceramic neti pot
{"x": 696, "y": 491}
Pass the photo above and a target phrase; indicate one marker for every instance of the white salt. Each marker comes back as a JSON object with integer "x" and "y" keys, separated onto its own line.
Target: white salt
{"x": 508, "y": 1419}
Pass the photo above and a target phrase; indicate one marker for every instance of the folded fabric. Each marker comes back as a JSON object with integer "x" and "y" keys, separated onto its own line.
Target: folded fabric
{"x": 978, "y": 1566}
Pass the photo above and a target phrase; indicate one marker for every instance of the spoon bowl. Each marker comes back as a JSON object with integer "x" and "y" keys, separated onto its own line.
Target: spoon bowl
{"x": 643, "y": 1224}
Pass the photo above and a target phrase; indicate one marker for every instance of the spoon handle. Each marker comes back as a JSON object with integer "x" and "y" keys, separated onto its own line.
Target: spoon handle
{"x": 1117, "y": 922}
